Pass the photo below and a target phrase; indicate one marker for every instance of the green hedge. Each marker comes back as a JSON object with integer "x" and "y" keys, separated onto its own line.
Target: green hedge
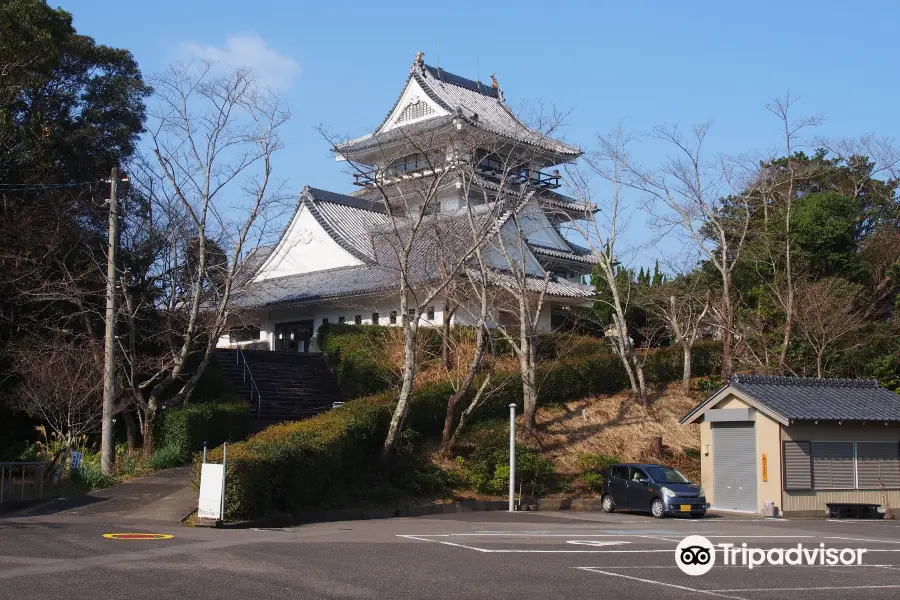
{"x": 330, "y": 460}
{"x": 187, "y": 427}
{"x": 352, "y": 352}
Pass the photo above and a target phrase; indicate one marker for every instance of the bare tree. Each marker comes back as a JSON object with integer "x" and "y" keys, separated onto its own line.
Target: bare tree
{"x": 828, "y": 310}
{"x": 601, "y": 234}
{"x": 775, "y": 186}
{"x": 462, "y": 376}
{"x": 425, "y": 250}
{"x": 60, "y": 383}
{"x": 211, "y": 191}
{"x": 708, "y": 202}
{"x": 683, "y": 308}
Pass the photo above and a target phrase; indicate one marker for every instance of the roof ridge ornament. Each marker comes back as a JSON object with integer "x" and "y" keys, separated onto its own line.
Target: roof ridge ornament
{"x": 419, "y": 62}
{"x": 496, "y": 86}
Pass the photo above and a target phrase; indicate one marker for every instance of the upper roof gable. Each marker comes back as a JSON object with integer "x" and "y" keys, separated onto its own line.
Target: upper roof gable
{"x": 453, "y": 96}
{"x": 413, "y": 106}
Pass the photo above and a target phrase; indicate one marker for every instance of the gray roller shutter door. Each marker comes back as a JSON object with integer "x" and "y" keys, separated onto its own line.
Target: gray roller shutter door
{"x": 734, "y": 466}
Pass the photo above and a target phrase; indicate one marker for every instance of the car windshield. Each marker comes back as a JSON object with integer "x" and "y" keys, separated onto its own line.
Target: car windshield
{"x": 667, "y": 475}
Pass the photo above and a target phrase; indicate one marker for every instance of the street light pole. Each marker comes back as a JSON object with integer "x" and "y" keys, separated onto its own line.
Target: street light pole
{"x": 512, "y": 457}
{"x": 107, "y": 440}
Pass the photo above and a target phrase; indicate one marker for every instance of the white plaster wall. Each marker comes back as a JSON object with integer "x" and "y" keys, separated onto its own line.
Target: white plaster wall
{"x": 467, "y": 316}
{"x": 305, "y": 247}
{"x": 496, "y": 257}
{"x": 538, "y": 229}
{"x": 333, "y": 312}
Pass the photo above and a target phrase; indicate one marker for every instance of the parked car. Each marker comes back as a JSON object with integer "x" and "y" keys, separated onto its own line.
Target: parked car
{"x": 657, "y": 489}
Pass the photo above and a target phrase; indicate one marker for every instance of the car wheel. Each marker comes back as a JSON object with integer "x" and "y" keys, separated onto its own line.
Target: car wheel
{"x": 607, "y": 504}
{"x": 658, "y": 509}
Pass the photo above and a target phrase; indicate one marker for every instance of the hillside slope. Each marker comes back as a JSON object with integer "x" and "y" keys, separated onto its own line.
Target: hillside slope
{"x": 617, "y": 426}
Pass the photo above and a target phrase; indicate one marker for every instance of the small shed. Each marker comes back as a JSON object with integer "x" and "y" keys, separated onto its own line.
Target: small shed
{"x": 800, "y": 443}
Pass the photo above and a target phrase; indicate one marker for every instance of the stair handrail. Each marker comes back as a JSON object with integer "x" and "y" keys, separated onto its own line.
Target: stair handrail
{"x": 245, "y": 372}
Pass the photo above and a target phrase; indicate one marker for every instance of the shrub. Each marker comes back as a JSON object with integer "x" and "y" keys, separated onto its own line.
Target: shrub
{"x": 488, "y": 470}
{"x": 187, "y": 427}
{"x": 352, "y": 351}
{"x": 330, "y": 460}
{"x": 166, "y": 457}
{"x": 89, "y": 476}
{"x": 592, "y": 467}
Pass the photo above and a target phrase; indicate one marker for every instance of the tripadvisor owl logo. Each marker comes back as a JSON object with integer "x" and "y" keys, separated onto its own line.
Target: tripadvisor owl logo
{"x": 695, "y": 555}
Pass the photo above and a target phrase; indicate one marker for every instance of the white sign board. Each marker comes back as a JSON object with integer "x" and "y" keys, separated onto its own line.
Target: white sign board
{"x": 212, "y": 486}
{"x": 75, "y": 460}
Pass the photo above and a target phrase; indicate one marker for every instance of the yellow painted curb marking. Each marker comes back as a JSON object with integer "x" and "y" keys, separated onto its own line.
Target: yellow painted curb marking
{"x": 137, "y": 536}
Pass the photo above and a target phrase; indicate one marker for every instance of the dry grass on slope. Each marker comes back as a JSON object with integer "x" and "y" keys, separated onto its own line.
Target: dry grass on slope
{"x": 617, "y": 426}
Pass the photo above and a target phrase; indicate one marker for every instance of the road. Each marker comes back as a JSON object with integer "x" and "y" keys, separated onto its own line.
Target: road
{"x": 63, "y": 554}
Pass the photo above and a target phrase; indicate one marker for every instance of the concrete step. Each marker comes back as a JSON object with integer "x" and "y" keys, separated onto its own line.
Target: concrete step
{"x": 289, "y": 385}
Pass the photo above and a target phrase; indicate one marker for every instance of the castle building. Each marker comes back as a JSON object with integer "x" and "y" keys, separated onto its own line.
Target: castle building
{"x": 448, "y": 148}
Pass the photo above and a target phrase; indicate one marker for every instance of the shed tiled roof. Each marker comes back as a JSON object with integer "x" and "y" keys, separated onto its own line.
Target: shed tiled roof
{"x": 808, "y": 398}
{"x": 812, "y": 399}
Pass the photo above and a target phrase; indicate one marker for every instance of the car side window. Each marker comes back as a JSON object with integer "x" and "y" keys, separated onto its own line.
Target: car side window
{"x": 637, "y": 474}
{"x": 619, "y": 472}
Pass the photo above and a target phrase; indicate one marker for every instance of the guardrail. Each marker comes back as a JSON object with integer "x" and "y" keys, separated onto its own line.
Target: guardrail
{"x": 20, "y": 481}
{"x": 246, "y": 372}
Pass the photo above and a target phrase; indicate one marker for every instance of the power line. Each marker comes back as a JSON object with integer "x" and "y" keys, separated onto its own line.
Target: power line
{"x": 24, "y": 187}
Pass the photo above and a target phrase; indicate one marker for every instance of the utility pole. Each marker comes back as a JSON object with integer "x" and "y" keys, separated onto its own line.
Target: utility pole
{"x": 107, "y": 440}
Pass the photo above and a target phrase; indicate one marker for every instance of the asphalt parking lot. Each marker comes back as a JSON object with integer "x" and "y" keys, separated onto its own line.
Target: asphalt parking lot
{"x": 467, "y": 555}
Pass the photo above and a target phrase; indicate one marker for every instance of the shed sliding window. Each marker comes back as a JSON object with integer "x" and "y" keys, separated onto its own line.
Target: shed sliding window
{"x": 841, "y": 465}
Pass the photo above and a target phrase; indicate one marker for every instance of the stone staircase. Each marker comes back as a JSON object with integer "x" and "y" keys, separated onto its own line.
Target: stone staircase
{"x": 291, "y": 385}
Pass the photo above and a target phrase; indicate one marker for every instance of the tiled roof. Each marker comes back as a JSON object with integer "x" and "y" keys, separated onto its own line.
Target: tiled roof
{"x": 812, "y": 399}
{"x": 556, "y": 200}
{"x": 807, "y": 398}
{"x": 477, "y": 103}
{"x": 359, "y": 225}
{"x": 347, "y": 219}
{"x": 469, "y": 84}
{"x": 554, "y": 287}
{"x": 579, "y": 254}
{"x": 319, "y": 285}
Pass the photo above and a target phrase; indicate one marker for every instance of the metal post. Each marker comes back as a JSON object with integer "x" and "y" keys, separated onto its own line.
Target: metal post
{"x": 224, "y": 467}
{"x": 107, "y": 443}
{"x": 204, "y": 452}
{"x": 23, "y": 482}
{"x": 2, "y": 480}
{"x": 512, "y": 457}
{"x": 41, "y": 491}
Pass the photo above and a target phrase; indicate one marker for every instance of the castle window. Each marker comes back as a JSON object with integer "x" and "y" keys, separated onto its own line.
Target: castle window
{"x": 393, "y": 318}
{"x": 430, "y": 314}
{"x": 375, "y": 318}
{"x": 340, "y": 320}
{"x": 411, "y": 162}
{"x": 357, "y": 320}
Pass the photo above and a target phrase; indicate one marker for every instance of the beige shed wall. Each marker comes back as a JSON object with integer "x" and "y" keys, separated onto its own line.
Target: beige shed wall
{"x": 768, "y": 442}
{"x": 815, "y": 501}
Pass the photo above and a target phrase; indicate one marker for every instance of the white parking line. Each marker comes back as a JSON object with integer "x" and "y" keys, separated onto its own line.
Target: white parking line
{"x": 716, "y": 593}
{"x": 422, "y": 538}
{"x": 862, "y": 540}
{"x": 755, "y": 568}
{"x": 805, "y": 589}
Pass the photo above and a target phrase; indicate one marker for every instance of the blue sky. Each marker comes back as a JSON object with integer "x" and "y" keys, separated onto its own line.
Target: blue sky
{"x": 343, "y": 64}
